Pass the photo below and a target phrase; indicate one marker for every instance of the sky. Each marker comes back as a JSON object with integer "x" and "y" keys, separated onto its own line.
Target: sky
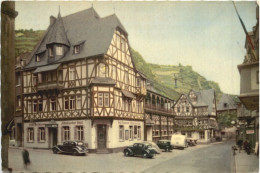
{"x": 206, "y": 35}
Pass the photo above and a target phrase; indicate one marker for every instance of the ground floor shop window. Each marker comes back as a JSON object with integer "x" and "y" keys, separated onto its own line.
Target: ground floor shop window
{"x": 79, "y": 133}
{"x": 135, "y": 132}
{"x": 121, "y": 133}
{"x": 139, "y": 132}
{"x": 202, "y": 135}
{"x": 130, "y": 132}
{"x": 66, "y": 133}
{"x": 30, "y": 136}
{"x": 126, "y": 134}
{"x": 41, "y": 134}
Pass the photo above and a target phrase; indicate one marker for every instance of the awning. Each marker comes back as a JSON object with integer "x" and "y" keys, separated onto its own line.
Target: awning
{"x": 47, "y": 68}
{"x": 128, "y": 94}
{"x": 149, "y": 122}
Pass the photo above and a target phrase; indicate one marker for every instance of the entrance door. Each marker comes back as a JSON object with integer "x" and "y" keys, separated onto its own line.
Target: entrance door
{"x": 54, "y": 136}
{"x": 101, "y": 136}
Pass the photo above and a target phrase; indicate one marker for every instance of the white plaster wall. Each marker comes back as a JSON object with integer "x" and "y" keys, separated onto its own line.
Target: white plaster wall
{"x": 71, "y": 123}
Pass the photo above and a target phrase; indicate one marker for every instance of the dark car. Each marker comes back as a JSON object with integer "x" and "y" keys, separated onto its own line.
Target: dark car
{"x": 218, "y": 138}
{"x": 165, "y": 145}
{"x": 140, "y": 149}
{"x": 71, "y": 147}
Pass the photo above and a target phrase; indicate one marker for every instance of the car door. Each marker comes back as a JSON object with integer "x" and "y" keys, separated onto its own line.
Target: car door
{"x": 135, "y": 148}
{"x": 140, "y": 149}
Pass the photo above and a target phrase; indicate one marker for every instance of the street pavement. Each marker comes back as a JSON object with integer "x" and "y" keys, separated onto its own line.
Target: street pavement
{"x": 216, "y": 157}
{"x": 246, "y": 163}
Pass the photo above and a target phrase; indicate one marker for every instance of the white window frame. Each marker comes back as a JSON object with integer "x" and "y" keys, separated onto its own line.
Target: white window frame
{"x": 72, "y": 103}
{"x": 130, "y": 132}
{"x": 35, "y": 106}
{"x": 66, "y": 99}
{"x": 37, "y": 58}
{"x": 59, "y": 50}
{"x": 80, "y": 133}
{"x": 50, "y": 50}
{"x": 53, "y": 101}
{"x": 100, "y": 100}
{"x": 31, "y": 134}
{"x": 78, "y": 104}
{"x": 42, "y": 134}
{"x": 106, "y": 100}
{"x": 138, "y": 132}
{"x": 77, "y": 49}
{"x": 121, "y": 133}
{"x": 66, "y": 133}
{"x": 72, "y": 73}
{"x": 29, "y": 106}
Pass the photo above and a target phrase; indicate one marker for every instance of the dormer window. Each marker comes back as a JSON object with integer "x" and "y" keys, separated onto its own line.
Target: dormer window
{"x": 37, "y": 58}
{"x": 59, "y": 50}
{"x": 76, "y": 49}
{"x": 50, "y": 52}
{"x": 225, "y": 105}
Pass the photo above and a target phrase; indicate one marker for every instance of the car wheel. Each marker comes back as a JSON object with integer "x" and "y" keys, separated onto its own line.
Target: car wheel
{"x": 145, "y": 155}
{"x": 55, "y": 151}
{"x": 127, "y": 153}
{"x": 74, "y": 153}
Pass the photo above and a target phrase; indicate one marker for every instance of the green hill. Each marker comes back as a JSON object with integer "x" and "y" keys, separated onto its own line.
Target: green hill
{"x": 162, "y": 76}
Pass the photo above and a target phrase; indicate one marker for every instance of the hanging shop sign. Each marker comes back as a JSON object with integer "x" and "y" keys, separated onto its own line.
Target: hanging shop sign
{"x": 250, "y": 131}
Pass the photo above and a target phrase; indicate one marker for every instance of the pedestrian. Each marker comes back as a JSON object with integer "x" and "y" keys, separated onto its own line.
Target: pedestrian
{"x": 26, "y": 159}
{"x": 240, "y": 143}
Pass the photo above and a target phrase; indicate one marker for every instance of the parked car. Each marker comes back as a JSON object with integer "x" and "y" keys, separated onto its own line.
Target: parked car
{"x": 218, "y": 138}
{"x": 165, "y": 145}
{"x": 191, "y": 142}
{"x": 140, "y": 149}
{"x": 179, "y": 141}
{"x": 154, "y": 146}
{"x": 71, "y": 147}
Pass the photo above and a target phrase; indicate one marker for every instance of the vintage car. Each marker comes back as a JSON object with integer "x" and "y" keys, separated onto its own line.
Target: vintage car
{"x": 140, "y": 149}
{"x": 154, "y": 146}
{"x": 165, "y": 145}
{"x": 71, "y": 147}
{"x": 179, "y": 141}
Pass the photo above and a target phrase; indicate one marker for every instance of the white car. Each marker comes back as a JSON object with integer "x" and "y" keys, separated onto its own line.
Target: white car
{"x": 179, "y": 141}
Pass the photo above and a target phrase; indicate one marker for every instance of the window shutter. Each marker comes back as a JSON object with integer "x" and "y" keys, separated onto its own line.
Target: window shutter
{"x": 38, "y": 135}
{"x": 27, "y": 134}
{"x": 62, "y": 134}
{"x": 75, "y": 133}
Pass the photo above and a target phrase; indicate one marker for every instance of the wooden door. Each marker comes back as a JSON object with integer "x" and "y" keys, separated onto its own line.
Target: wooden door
{"x": 101, "y": 136}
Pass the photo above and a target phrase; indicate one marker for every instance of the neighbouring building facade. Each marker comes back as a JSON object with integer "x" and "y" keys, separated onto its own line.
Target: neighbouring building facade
{"x": 159, "y": 117}
{"x": 81, "y": 84}
{"x": 249, "y": 85}
{"x": 195, "y": 115}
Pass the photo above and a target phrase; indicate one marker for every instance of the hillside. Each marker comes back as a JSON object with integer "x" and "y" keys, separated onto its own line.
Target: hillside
{"x": 162, "y": 76}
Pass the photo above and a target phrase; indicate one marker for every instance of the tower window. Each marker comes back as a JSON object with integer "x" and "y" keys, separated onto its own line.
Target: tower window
{"x": 59, "y": 50}
{"x": 76, "y": 49}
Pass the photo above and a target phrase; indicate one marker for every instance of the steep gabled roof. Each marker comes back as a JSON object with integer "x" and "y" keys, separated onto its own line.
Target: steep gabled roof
{"x": 57, "y": 33}
{"x": 86, "y": 25}
{"x": 226, "y": 103}
{"x": 205, "y": 98}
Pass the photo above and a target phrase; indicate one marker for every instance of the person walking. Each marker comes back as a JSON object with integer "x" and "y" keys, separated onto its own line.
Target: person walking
{"x": 26, "y": 159}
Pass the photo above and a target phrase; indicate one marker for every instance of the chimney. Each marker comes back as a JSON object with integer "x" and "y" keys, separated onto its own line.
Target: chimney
{"x": 52, "y": 20}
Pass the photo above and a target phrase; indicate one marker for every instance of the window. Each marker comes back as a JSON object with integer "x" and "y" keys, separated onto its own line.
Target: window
{"x": 66, "y": 133}
{"x": 127, "y": 77}
{"x": 121, "y": 133}
{"x": 53, "y": 104}
{"x": 76, "y": 49}
{"x": 202, "y": 135}
{"x": 187, "y": 109}
{"x": 100, "y": 100}
{"x": 18, "y": 79}
{"x": 40, "y": 107}
{"x": 41, "y": 134}
{"x": 225, "y": 105}
{"x": 138, "y": 106}
{"x": 135, "y": 132}
{"x": 66, "y": 103}
{"x": 78, "y": 102}
{"x": 72, "y": 102}
{"x": 72, "y": 73}
{"x": 50, "y": 52}
{"x": 18, "y": 102}
{"x": 79, "y": 133}
{"x": 37, "y": 58}
{"x": 126, "y": 134}
{"x": 39, "y": 77}
{"x": 106, "y": 99}
{"x": 139, "y": 132}
{"x": 34, "y": 78}
{"x": 29, "y": 106}
{"x": 138, "y": 82}
{"x": 34, "y": 106}
{"x": 30, "y": 137}
{"x": 130, "y": 132}
{"x": 59, "y": 50}
{"x": 178, "y": 109}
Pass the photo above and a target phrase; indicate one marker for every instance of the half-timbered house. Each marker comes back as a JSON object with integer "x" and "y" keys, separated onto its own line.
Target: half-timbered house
{"x": 82, "y": 84}
{"x": 195, "y": 114}
{"x": 159, "y": 116}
